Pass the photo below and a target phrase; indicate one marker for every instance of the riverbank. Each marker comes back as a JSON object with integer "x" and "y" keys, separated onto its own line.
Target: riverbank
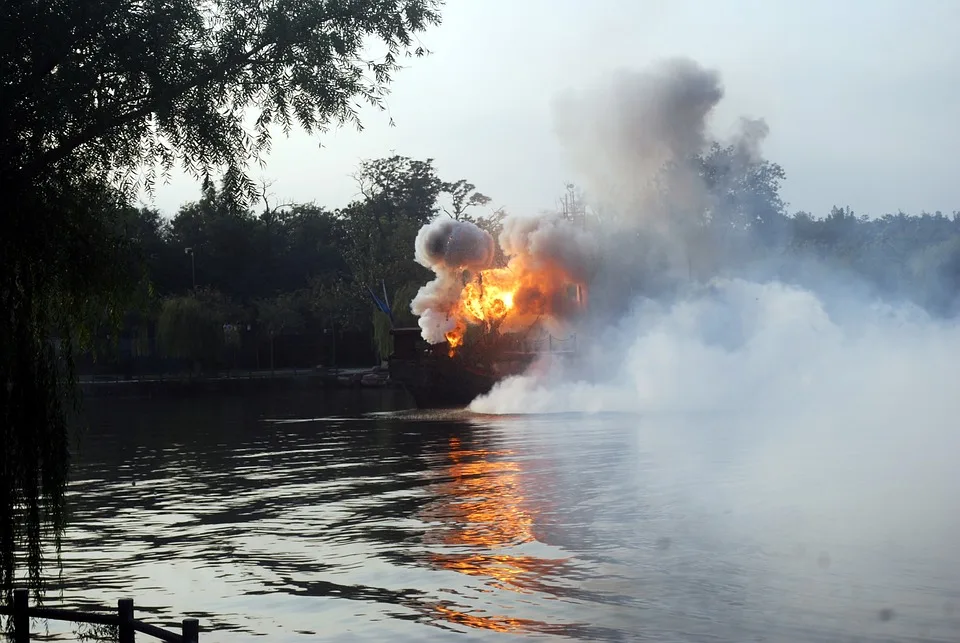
{"x": 234, "y": 382}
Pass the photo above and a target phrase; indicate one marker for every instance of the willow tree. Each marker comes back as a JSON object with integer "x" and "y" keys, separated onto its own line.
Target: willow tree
{"x": 103, "y": 98}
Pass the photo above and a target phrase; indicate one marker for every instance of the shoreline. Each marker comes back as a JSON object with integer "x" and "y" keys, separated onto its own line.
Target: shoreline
{"x": 234, "y": 382}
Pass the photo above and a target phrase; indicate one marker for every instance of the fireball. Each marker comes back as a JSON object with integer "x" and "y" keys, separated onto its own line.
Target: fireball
{"x": 510, "y": 299}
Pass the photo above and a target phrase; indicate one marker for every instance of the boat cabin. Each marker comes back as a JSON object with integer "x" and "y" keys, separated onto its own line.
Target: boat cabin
{"x": 407, "y": 343}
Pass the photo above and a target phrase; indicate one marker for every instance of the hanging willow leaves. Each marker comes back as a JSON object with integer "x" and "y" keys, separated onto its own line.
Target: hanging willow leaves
{"x": 101, "y": 99}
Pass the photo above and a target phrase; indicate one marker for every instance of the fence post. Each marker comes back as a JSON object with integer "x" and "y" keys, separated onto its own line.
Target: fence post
{"x": 21, "y": 616}
{"x": 190, "y": 630}
{"x": 125, "y": 612}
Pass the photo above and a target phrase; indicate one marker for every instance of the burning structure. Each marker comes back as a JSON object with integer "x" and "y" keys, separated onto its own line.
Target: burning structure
{"x": 481, "y": 322}
{"x": 673, "y": 203}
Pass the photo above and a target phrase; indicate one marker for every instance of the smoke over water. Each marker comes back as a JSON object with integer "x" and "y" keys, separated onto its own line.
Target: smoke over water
{"x": 673, "y": 323}
{"x": 836, "y": 413}
{"x": 832, "y": 414}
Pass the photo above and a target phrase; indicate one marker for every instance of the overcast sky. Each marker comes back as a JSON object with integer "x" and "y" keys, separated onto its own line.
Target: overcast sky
{"x": 862, "y": 97}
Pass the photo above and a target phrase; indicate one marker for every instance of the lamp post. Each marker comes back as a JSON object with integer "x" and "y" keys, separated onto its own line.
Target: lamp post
{"x": 193, "y": 266}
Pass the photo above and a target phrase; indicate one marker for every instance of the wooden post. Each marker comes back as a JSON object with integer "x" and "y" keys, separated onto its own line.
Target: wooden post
{"x": 21, "y": 616}
{"x": 190, "y": 630}
{"x": 125, "y": 611}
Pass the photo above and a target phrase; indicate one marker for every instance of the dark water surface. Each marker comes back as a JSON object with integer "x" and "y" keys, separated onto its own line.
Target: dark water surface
{"x": 331, "y": 516}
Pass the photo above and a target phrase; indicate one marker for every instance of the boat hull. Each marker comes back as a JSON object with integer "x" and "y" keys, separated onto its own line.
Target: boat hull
{"x": 436, "y": 380}
{"x": 441, "y": 385}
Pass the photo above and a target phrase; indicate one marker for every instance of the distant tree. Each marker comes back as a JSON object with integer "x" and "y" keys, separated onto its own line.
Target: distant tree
{"x": 744, "y": 195}
{"x": 192, "y": 327}
{"x": 223, "y": 239}
{"x": 463, "y": 196}
{"x": 493, "y": 224}
{"x": 279, "y": 315}
{"x": 400, "y": 196}
{"x": 333, "y": 302}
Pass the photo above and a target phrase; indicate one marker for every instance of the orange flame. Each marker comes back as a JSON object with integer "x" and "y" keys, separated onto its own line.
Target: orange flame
{"x": 512, "y": 298}
{"x": 455, "y": 338}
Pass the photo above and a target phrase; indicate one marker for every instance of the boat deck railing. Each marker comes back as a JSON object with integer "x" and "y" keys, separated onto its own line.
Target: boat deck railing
{"x": 547, "y": 343}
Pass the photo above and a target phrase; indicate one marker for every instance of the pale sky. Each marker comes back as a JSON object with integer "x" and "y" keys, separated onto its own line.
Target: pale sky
{"x": 862, "y": 97}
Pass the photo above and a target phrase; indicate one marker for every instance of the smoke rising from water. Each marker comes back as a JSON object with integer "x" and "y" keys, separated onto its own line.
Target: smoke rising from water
{"x": 837, "y": 412}
{"x": 848, "y": 402}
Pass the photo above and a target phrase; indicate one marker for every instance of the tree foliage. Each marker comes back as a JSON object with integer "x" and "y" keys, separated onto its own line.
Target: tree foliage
{"x": 189, "y": 330}
{"x": 97, "y": 99}
{"x": 114, "y": 87}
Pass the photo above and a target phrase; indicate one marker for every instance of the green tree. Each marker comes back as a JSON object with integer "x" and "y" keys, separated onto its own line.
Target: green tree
{"x": 463, "y": 196}
{"x": 402, "y": 318}
{"x": 279, "y": 315}
{"x": 192, "y": 327}
{"x": 98, "y": 96}
{"x": 223, "y": 239}
{"x": 493, "y": 224}
{"x": 400, "y": 196}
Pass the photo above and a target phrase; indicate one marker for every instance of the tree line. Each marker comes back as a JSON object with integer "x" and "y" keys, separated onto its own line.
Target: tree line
{"x": 277, "y": 285}
{"x": 224, "y": 285}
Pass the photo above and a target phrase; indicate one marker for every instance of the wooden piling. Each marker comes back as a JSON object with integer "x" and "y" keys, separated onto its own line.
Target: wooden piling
{"x": 190, "y": 630}
{"x": 21, "y": 616}
{"x": 125, "y": 631}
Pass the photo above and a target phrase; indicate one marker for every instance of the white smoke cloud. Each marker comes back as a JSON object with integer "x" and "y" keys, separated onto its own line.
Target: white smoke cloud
{"x": 447, "y": 247}
{"x": 447, "y": 244}
{"x": 838, "y": 435}
{"x": 840, "y": 410}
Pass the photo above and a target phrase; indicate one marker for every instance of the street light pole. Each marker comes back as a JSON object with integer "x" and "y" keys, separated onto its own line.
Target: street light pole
{"x": 193, "y": 266}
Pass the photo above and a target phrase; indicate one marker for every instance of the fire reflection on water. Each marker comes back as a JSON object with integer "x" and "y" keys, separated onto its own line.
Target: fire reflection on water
{"x": 481, "y": 508}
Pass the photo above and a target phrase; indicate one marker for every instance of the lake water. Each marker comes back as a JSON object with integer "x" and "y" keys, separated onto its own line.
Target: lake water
{"x": 336, "y": 515}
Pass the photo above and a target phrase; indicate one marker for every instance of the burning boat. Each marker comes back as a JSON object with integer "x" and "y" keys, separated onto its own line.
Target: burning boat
{"x": 438, "y": 377}
{"x": 480, "y": 321}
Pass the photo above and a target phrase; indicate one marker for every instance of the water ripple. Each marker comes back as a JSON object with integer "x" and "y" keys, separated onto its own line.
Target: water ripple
{"x": 270, "y": 517}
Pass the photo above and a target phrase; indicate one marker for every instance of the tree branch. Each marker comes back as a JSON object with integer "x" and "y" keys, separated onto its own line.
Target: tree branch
{"x": 105, "y": 122}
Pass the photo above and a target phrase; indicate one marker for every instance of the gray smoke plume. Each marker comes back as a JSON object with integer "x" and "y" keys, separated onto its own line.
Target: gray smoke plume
{"x": 451, "y": 244}
{"x": 634, "y": 140}
{"x": 753, "y": 131}
{"x": 553, "y": 243}
{"x": 623, "y": 135}
{"x": 447, "y": 247}
{"x": 837, "y": 431}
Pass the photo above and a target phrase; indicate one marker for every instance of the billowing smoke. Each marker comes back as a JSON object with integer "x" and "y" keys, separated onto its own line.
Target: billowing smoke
{"x": 447, "y": 247}
{"x": 631, "y": 138}
{"x": 635, "y": 139}
{"x": 447, "y": 244}
{"x": 547, "y": 255}
{"x": 835, "y": 410}
{"x": 553, "y": 243}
